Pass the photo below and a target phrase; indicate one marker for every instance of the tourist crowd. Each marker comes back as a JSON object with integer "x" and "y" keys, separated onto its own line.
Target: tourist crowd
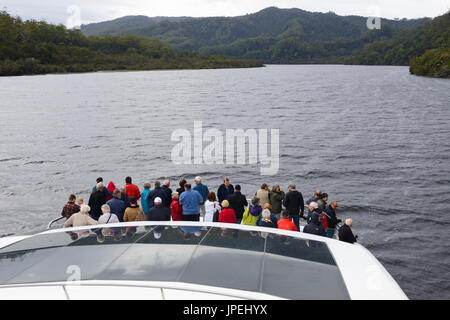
{"x": 271, "y": 208}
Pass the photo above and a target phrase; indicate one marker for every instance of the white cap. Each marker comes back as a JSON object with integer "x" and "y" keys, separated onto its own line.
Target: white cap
{"x": 157, "y": 235}
{"x": 157, "y": 200}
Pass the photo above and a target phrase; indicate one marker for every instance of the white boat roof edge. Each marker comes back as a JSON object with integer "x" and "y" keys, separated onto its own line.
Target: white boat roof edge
{"x": 364, "y": 276}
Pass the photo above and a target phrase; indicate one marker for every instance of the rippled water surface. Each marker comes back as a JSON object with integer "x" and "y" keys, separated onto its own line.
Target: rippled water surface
{"x": 377, "y": 139}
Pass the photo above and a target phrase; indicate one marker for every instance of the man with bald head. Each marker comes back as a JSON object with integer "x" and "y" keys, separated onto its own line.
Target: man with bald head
{"x": 345, "y": 232}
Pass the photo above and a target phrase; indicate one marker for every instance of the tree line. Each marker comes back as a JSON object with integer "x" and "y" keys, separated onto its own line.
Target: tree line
{"x": 36, "y": 47}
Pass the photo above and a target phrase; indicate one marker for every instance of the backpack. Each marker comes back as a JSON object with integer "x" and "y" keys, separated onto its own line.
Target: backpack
{"x": 248, "y": 218}
{"x": 324, "y": 220}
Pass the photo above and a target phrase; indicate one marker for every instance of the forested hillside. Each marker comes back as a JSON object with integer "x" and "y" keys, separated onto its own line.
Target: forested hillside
{"x": 35, "y": 47}
{"x": 272, "y": 35}
{"x": 413, "y": 43}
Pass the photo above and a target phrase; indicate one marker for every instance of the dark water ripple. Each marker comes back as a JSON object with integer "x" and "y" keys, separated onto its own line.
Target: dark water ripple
{"x": 375, "y": 138}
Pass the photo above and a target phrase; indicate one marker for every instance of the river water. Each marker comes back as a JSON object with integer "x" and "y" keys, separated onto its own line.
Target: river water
{"x": 376, "y": 139}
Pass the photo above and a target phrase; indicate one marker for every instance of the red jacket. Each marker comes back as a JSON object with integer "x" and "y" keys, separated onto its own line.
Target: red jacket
{"x": 176, "y": 210}
{"x": 227, "y": 216}
{"x": 111, "y": 187}
{"x": 132, "y": 191}
{"x": 287, "y": 224}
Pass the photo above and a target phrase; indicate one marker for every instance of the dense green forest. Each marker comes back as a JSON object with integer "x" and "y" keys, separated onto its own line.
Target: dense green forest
{"x": 36, "y": 47}
{"x": 271, "y": 35}
{"x": 434, "y": 63}
{"x": 407, "y": 45}
{"x": 286, "y": 36}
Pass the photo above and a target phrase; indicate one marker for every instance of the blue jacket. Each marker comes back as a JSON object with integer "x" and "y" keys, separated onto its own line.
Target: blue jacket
{"x": 223, "y": 193}
{"x": 190, "y": 199}
{"x": 117, "y": 207}
{"x": 312, "y": 199}
{"x": 144, "y": 203}
{"x": 203, "y": 190}
{"x": 125, "y": 198}
{"x": 272, "y": 217}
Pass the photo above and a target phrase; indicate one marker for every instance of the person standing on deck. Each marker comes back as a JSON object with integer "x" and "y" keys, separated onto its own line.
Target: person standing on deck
{"x": 314, "y": 198}
{"x": 322, "y": 202}
{"x": 238, "y": 202}
{"x": 293, "y": 202}
{"x": 81, "y": 219}
{"x": 190, "y": 200}
{"x": 332, "y": 220}
{"x": 105, "y": 190}
{"x": 212, "y": 208}
{"x": 133, "y": 212}
{"x": 314, "y": 226}
{"x": 227, "y": 214}
{"x": 313, "y": 209}
{"x": 182, "y": 182}
{"x": 263, "y": 194}
{"x": 158, "y": 212}
{"x": 176, "y": 210}
{"x": 96, "y": 200}
{"x": 158, "y": 192}
{"x": 168, "y": 192}
{"x": 345, "y": 232}
{"x": 265, "y": 220}
{"x": 225, "y": 190}
{"x": 204, "y": 191}
{"x": 131, "y": 190}
{"x": 124, "y": 197}
{"x": 276, "y": 197}
{"x": 286, "y": 223}
{"x": 70, "y": 207}
{"x": 116, "y": 205}
{"x": 144, "y": 196}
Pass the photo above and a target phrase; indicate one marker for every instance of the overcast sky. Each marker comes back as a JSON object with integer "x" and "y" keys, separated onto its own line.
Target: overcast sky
{"x": 64, "y": 11}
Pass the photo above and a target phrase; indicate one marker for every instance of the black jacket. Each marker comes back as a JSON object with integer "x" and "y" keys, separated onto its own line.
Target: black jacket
{"x": 346, "y": 234}
{"x": 332, "y": 221}
{"x": 293, "y": 201}
{"x": 314, "y": 226}
{"x": 238, "y": 202}
{"x": 158, "y": 213}
{"x": 96, "y": 200}
{"x": 168, "y": 193}
{"x": 223, "y": 193}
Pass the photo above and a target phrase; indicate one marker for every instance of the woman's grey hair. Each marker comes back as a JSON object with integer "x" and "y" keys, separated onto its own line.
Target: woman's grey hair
{"x": 266, "y": 214}
{"x": 85, "y": 209}
{"x": 105, "y": 208}
{"x": 198, "y": 179}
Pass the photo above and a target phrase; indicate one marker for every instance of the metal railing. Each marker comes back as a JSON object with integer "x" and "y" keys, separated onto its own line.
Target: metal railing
{"x": 53, "y": 221}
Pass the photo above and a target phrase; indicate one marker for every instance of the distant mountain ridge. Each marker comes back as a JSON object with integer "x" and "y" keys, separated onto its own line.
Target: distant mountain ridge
{"x": 272, "y": 35}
